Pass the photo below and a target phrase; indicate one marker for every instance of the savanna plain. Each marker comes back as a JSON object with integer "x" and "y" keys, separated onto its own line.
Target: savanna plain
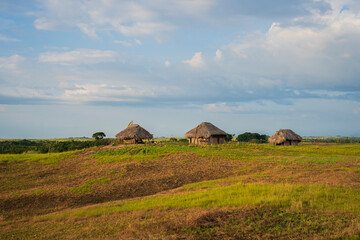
{"x": 180, "y": 191}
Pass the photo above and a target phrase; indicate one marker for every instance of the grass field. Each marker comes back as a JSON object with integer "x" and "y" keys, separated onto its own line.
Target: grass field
{"x": 174, "y": 191}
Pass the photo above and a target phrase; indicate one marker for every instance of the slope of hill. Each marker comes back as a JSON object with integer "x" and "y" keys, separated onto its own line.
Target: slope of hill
{"x": 170, "y": 191}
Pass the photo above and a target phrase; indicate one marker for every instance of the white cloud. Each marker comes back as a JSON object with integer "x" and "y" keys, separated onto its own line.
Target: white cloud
{"x": 102, "y": 92}
{"x": 138, "y": 42}
{"x": 310, "y": 51}
{"x": 85, "y": 28}
{"x": 8, "y": 39}
{"x": 268, "y": 83}
{"x": 128, "y": 43}
{"x": 315, "y": 35}
{"x": 124, "y": 43}
{"x": 218, "y": 55}
{"x": 167, "y": 63}
{"x": 196, "y": 61}
{"x": 222, "y": 107}
{"x": 238, "y": 49}
{"x": 11, "y": 63}
{"x": 144, "y": 28}
{"x": 26, "y": 92}
{"x": 195, "y": 7}
{"x": 131, "y": 18}
{"x": 89, "y": 56}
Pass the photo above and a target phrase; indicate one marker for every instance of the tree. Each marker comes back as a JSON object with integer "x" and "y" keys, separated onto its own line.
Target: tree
{"x": 98, "y": 135}
{"x": 252, "y": 137}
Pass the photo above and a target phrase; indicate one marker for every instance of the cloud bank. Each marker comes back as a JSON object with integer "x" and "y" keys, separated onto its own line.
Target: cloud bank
{"x": 221, "y": 58}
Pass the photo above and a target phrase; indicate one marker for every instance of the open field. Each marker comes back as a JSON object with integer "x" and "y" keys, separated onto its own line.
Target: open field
{"x": 174, "y": 191}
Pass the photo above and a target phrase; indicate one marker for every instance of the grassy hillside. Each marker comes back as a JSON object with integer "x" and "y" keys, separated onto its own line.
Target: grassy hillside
{"x": 172, "y": 191}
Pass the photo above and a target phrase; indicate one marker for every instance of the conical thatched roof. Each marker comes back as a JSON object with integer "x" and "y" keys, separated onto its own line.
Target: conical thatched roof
{"x": 205, "y": 130}
{"x": 284, "y": 135}
{"x": 134, "y": 131}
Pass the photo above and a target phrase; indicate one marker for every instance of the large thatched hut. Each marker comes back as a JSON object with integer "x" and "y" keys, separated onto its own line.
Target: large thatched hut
{"x": 206, "y": 133}
{"x": 285, "y": 137}
{"x": 134, "y": 133}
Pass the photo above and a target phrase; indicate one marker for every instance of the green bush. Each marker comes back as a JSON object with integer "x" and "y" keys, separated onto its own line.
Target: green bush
{"x": 252, "y": 137}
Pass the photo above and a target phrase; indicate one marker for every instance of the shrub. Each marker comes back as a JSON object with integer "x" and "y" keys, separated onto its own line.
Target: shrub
{"x": 252, "y": 137}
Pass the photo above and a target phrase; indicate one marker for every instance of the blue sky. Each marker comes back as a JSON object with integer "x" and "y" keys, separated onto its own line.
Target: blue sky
{"x": 70, "y": 68}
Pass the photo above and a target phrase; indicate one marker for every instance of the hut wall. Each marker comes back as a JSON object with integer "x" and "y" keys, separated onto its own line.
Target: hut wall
{"x": 287, "y": 143}
{"x": 217, "y": 139}
{"x": 199, "y": 141}
{"x": 214, "y": 140}
{"x": 295, "y": 142}
{"x": 211, "y": 140}
{"x": 203, "y": 141}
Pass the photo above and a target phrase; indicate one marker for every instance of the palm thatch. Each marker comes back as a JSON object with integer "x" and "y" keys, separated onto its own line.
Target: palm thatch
{"x": 205, "y": 130}
{"x": 284, "y": 135}
{"x": 134, "y": 131}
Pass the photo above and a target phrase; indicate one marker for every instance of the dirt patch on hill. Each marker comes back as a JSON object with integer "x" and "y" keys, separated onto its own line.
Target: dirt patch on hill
{"x": 125, "y": 180}
{"x": 34, "y": 188}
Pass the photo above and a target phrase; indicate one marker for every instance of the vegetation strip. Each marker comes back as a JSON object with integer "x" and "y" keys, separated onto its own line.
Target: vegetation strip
{"x": 241, "y": 152}
{"x": 88, "y": 185}
{"x": 294, "y": 197}
{"x": 49, "y": 158}
{"x": 233, "y": 191}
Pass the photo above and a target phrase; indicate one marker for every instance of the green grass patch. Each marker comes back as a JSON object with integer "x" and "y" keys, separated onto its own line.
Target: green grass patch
{"x": 139, "y": 153}
{"x": 44, "y": 158}
{"x": 269, "y": 222}
{"x": 335, "y": 149}
{"x": 256, "y": 175}
{"x": 30, "y": 192}
{"x": 18, "y": 192}
{"x": 88, "y": 185}
{"x": 202, "y": 185}
{"x": 243, "y": 170}
{"x": 241, "y": 152}
{"x": 357, "y": 170}
{"x": 289, "y": 196}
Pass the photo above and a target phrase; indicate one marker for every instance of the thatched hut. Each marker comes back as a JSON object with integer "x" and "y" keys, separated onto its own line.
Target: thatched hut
{"x": 285, "y": 137}
{"x": 134, "y": 133}
{"x": 206, "y": 133}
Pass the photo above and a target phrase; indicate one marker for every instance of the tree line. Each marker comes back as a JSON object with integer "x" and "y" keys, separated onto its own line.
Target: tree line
{"x": 51, "y": 146}
{"x": 252, "y": 137}
{"x": 47, "y": 146}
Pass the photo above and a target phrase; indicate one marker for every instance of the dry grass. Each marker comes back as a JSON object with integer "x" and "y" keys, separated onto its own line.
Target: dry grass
{"x": 31, "y": 189}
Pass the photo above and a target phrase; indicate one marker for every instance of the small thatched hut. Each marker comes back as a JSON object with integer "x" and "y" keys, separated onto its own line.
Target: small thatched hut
{"x": 206, "y": 133}
{"x": 134, "y": 134}
{"x": 285, "y": 137}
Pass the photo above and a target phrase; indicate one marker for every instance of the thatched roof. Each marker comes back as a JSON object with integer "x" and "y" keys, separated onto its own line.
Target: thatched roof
{"x": 205, "y": 130}
{"x": 284, "y": 135}
{"x": 134, "y": 131}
